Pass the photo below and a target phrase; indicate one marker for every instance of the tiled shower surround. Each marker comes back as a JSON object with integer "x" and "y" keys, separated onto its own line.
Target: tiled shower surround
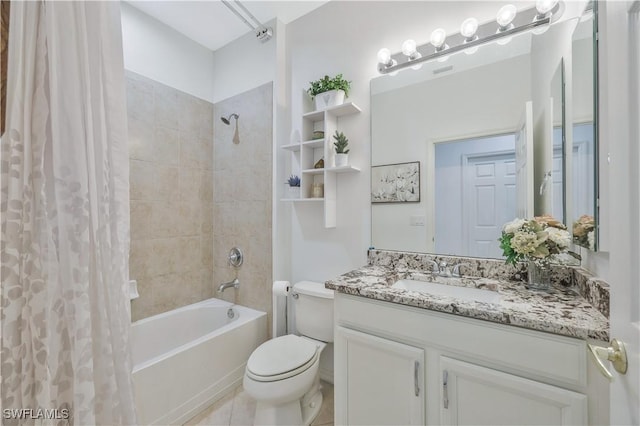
{"x": 171, "y": 191}
{"x": 242, "y": 191}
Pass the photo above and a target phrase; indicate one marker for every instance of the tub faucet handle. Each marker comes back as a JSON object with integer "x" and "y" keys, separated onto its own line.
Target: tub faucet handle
{"x": 235, "y": 284}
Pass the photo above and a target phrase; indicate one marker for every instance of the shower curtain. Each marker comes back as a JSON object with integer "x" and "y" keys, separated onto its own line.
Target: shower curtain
{"x": 65, "y": 218}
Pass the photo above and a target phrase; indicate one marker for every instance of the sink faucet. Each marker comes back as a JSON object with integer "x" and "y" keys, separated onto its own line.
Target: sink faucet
{"x": 456, "y": 269}
{"x": 222, "y": 287}
{"x": 445, "y": 270}
{"x": 435, "y": 270}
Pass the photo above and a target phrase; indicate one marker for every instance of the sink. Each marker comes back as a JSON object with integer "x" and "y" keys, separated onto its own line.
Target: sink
{"x": 465, "y": 293}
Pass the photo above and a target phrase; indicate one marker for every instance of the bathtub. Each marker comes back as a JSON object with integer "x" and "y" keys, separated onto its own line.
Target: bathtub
{"x": 186, "y": 359}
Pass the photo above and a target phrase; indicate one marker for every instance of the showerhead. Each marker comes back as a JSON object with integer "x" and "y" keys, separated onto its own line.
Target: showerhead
{"x": 227, "y": 120}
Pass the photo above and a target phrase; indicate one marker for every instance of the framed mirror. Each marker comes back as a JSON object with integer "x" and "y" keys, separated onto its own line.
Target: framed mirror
{"x": 487, "y": 129}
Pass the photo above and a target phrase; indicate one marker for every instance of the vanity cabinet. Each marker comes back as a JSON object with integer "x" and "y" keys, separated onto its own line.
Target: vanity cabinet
{"x": 304, "y": 154}
{"x": 469, "y": 371}
{"x": 475, "y": 395}
{"x": 383, "y": 379}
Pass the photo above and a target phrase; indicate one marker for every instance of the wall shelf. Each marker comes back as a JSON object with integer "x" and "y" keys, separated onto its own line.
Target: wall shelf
{"x": 306, "y": 153}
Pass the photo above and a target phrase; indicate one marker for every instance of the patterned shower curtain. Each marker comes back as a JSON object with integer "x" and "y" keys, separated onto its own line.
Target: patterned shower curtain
{"x": 65, "y": 218}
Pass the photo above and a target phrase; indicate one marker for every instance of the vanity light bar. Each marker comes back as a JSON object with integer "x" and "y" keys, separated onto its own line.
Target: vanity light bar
{"x": 529, "y": 19}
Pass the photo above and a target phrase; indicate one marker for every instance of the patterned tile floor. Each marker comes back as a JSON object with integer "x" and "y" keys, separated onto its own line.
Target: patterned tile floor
{"x": 237, "y": 409}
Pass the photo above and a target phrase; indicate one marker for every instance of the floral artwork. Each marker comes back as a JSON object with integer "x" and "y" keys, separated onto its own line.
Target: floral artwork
{"x": 396, "y": 183}
{"x": 536, "y": 239}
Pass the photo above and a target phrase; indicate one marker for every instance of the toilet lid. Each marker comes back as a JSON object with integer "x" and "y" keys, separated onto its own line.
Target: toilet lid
{"x": 281, "y": 355}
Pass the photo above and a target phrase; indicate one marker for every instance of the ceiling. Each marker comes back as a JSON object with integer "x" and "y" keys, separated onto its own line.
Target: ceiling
{"x": 212, "y": 24}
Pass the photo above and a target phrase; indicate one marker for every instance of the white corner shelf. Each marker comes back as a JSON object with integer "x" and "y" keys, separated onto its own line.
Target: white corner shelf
{"x": 346, "y": 108}
{"x": 306, "y": 153}
{"x": 343, "y": 169}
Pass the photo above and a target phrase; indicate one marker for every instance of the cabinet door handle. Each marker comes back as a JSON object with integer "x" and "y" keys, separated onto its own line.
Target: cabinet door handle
{"x": 416, "y": 386}
{"x": 445, "y": 391}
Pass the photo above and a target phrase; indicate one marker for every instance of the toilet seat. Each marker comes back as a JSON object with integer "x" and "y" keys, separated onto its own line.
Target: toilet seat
{"x": 281, "y": 358}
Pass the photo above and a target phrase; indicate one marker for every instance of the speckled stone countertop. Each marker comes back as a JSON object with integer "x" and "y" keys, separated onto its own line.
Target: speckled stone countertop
{"x": 562, "y": 310}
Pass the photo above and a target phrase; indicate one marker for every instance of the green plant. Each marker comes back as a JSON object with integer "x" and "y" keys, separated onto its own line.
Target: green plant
{"x": 341, "y": 143}
{"x": 293, "y": 181}
{"x": 326, "y": 83}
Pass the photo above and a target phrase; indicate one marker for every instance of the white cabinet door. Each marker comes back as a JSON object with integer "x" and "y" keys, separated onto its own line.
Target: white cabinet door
{"x": 473, "y": 395}
{"x": 377, "y": 381}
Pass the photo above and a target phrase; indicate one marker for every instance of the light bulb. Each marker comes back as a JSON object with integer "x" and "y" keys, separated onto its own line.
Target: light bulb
{"x": 504, "y": 40}
{"x": 384, "y": 56}
{"x": 505, "y": 16}
{"x": 438, "y": 37}
{"x": 409, "y": 48}
{"x": 545, "y": 6}
{"x": 468, "y": 28}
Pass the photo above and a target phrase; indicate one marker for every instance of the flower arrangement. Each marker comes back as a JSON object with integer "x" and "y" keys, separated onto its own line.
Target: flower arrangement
{"x": 535, "y": 239}
{"x": 583, "y": 231}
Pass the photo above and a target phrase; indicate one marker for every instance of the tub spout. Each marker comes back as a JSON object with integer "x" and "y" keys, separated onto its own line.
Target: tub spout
{"x": 222, "y": 287}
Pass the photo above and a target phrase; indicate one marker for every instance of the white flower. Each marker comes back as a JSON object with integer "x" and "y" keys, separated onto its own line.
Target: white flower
{"x": 525, "y": 242}
{"x": 559, "y": 236}
{"x": 513, "y": 226}
{"x": 591, "y": 238}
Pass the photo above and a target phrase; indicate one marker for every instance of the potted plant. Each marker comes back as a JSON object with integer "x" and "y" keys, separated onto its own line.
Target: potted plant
{"x": 328, "y": 92}
{"x": 294, "y": 186}
{"x": 342, "y": 153}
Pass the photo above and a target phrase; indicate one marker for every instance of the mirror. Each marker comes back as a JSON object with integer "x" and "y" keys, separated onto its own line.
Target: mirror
{"x": 475, "y": 123}
{"x": 584, "y": 136}
{"x": 557, "y": 177}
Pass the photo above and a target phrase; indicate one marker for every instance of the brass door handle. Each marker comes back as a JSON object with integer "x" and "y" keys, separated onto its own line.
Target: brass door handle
{"x": 615, "y": 353}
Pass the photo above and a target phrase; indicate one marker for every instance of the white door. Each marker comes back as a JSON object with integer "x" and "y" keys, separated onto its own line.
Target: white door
{"x": 619, "y": 113}
{"x": 524, "y": 163}
{"x": 489, "y": 200}
{"x": 474, "y": 395}
{"x": 382, "y": 381}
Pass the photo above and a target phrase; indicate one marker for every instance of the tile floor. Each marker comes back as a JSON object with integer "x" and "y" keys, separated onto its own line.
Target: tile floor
{"x": 237, "y": 409}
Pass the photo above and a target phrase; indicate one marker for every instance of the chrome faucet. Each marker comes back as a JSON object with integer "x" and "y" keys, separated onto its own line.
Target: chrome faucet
{"x": 435, "y": 270}
{"x": 456, "y": 269}
{"x": 445, "y": 270}
{"x": 235, "y": 284}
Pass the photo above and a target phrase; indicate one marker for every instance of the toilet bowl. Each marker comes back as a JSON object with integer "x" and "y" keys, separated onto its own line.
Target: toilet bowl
{"x": 282, "y": 374}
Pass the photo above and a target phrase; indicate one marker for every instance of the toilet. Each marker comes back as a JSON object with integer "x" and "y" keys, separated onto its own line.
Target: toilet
{"x": 282, "y": 374}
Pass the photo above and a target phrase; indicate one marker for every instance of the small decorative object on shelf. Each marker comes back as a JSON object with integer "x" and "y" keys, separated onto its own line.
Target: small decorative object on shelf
{"x": 538, "y": 241}
{"x": 583, "y": 231}
{"x": 293, "y": 185}
{"x": 317, "y": 190}
{"x": 342, "y": 152}
{"x": 319, "y": 164}
{"x": 318, "y": 130}
{"x": 328, "y": 92}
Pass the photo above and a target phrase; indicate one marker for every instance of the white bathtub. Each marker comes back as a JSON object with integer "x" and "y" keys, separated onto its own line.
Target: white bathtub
{"x": 186, "y": 359}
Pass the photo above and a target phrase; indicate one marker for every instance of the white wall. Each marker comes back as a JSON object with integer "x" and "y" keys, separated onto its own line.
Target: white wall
{"x": 244, "y": 64}
{"x": 160, "y": 53}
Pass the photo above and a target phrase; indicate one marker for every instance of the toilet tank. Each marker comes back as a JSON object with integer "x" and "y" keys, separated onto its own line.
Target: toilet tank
{"x": 313, "y": 305}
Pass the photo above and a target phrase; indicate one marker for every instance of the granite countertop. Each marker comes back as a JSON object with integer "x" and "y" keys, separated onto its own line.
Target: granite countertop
{"x": 560, "y": 311}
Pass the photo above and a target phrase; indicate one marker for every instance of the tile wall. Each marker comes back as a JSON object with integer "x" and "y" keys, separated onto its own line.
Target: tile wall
{"x": 171, "y": 192}
{"x": 242, "y": 189}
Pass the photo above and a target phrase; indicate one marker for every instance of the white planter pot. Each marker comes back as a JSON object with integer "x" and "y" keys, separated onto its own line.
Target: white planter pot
{"x": 342, "y": 160}
{"x": 329, "y": 99}
{"x": 292, "y": 192}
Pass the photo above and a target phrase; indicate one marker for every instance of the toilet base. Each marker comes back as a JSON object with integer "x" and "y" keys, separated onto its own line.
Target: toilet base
{"x": 299, "y": 412}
